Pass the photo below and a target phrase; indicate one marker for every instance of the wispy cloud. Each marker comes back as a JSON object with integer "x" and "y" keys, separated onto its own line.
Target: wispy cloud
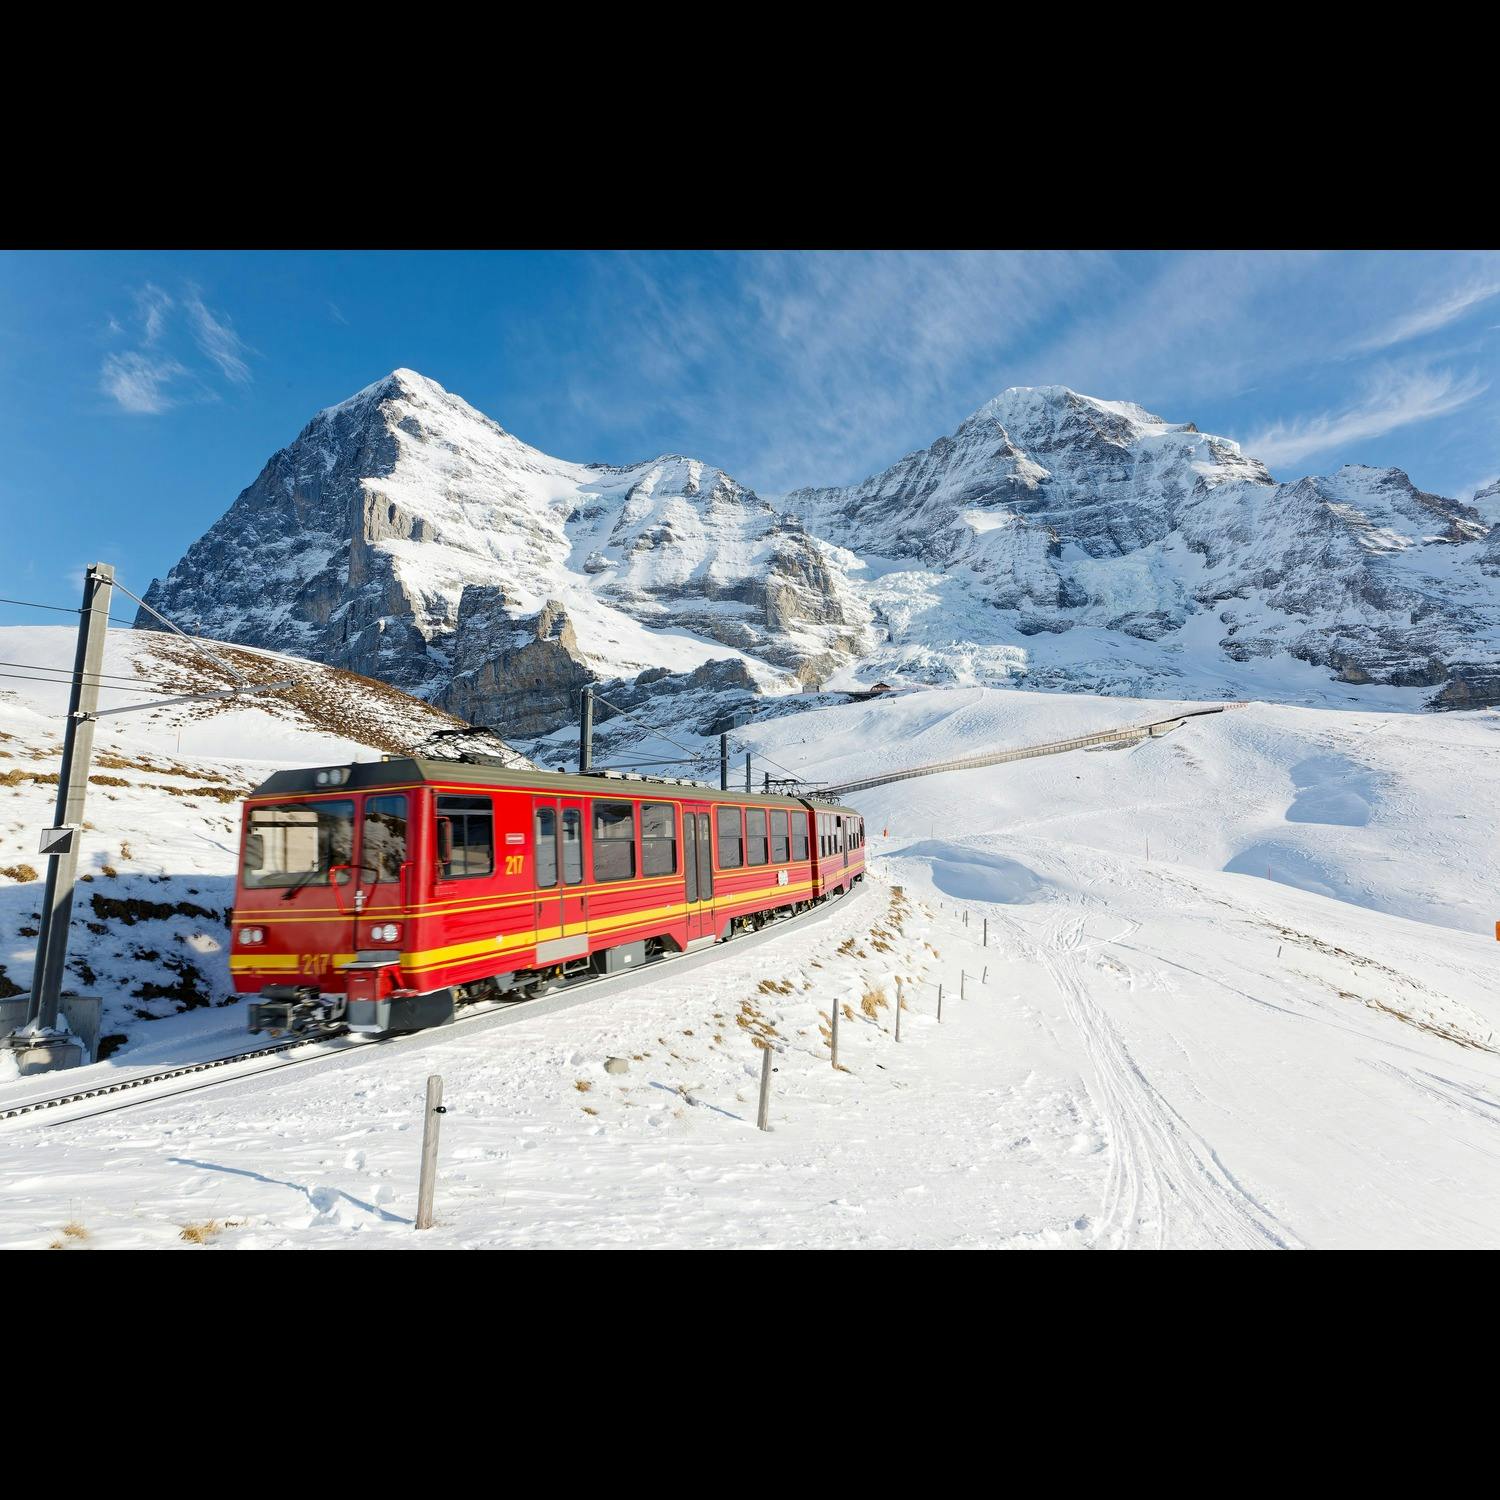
{"x": 217, "y": 339}
{"x": 1395, "y": 398}
{"x": 139, "y": 383}
{"x": 154, "y": 376}
{"x": 1428, "y": 319}
{"x": 152, "y": 307}
{"x": 336, "y": 313}
{"x": 795, "y": 369}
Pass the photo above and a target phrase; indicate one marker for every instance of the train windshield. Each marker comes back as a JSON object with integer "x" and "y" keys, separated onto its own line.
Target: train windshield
{"x": 297, "y": 842}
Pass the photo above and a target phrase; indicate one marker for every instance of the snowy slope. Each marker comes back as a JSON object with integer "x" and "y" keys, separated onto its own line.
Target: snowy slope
{"x": 1241, "y": 991}
{"x": 157, "y": 864}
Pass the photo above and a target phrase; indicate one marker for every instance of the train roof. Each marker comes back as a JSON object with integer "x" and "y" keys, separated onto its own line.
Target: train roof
{"x": 369, "y": 775}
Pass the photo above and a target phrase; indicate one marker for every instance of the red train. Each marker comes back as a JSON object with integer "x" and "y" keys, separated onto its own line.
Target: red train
{"x": 380, "y": 895}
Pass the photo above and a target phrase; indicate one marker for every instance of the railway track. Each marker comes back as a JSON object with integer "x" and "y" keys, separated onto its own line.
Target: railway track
{"x": 329, "y": 1049}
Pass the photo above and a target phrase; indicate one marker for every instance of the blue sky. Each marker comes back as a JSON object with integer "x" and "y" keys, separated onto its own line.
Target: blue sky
{"x": 141, "y": 391}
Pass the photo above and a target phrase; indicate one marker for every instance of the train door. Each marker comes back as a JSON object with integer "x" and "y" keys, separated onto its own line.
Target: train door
{"x": 698, "y": 872}
{"x": 561, "y": 906}
{"x": 383, "y": 870}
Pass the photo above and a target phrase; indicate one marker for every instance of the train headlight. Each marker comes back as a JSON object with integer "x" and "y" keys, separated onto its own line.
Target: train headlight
{"x": 252, "y": 935}
{"x": 389, "y": 933}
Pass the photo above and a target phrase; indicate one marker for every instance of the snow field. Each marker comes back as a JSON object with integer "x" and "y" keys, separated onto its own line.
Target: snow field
{"x": 1243, "y": 992}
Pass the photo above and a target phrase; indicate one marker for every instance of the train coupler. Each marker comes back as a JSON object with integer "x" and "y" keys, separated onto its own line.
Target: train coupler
{"x": 297, "y": 1012}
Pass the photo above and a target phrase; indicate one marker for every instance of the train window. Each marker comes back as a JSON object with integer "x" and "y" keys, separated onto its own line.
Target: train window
{"x": 780, "y": 851}
{"x": 658, "y": 838}
{"x": 383, "y": 850}
{"x": 731, "y": 838}
{"x": 614, "y": 840}
{"x": 545, "y": 819}
{"x": 755, "y": 835}
{"x": 572, "y": 846}
{"x": 293, "y": 844}
{"x": 466, "y": 837}
{"x": 799, "y": 836}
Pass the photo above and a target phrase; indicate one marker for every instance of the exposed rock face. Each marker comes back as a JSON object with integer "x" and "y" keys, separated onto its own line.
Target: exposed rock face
{"x": 526, "y": 675}
{"x": 1052, "y": 539}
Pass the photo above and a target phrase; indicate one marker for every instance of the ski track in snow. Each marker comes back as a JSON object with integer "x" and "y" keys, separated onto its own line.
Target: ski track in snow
{"x": 1165, "y": 1184}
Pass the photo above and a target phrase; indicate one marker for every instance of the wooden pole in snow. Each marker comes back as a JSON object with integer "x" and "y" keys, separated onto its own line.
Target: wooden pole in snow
{"x": 430, "y": 1126}
{"x": 898, "y": 1010}
{"x": 833, "y": 1045}
{"x": 764, "y": 1122}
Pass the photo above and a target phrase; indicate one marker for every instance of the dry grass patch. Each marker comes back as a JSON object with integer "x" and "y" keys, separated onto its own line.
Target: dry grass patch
{"x": 20, "y": 873}
{"x": 75, "y": 1231}
{"x": 589, "y": 1109}
{"x": 750, "y": 1019}
{"x": 583, "y": 1085}
{"x": 873, "y": 1001}
{"x": 201, "y": 1234}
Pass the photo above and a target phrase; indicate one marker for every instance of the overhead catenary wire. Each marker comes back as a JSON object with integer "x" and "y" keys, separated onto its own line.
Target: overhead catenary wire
{"x": 686, "y": 750}
{"x": 177, "y": 630}
{"x": 62, "y": 609}
{"x": 67, "y": 674}
{"x": 157, "y": 692}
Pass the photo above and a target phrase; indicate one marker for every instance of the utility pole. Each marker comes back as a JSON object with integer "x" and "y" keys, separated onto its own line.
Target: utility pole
{"x": 41, "y": 1045}
{"x": 586, "y": 733}
{"x": 747, "y": 770}
{"x": 766, "y": 784}
{"x": 40, "y": 1034}
{"x": 723, "y": 762}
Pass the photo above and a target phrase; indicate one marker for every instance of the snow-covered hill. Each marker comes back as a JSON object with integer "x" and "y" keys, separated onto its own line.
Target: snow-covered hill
{"x": 1053, "y": 541}
{"x": 1241, "y": 991}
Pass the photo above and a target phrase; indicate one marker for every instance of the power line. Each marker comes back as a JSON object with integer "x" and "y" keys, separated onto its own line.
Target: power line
{"x": 67, "y": 675}
{"x": 62, "y": 609}
{"x": 667, "y": 737}
{"x": 157, "y": 692}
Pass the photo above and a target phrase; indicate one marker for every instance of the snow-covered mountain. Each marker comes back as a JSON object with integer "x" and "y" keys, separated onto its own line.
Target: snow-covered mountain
{"x": 406, "y": 536}
{"x": 1086, "y": 544}
{"x": 1053, "y": 540}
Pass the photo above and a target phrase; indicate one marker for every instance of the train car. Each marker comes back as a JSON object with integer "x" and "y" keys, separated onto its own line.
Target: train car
{"x": 380, "y": 895}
